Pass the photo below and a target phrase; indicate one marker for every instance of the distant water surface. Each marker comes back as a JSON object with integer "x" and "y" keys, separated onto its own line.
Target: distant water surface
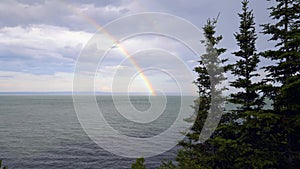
{"x": 43, "y": 131}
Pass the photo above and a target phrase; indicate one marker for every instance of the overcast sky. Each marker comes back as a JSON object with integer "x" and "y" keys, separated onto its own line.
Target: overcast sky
{"x": 40, "y": 42}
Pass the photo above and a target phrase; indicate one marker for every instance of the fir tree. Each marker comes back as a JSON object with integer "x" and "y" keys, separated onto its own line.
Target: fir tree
{"x": 284, "y": 77}
{"x": 250, "y": 136}
{"x": 245, "y": 68}
{"x": 194, "y": 152}
{"x": 250, "y": 124}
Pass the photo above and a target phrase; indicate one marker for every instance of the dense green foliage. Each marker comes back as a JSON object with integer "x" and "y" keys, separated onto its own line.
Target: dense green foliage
{"x": 249, "y": 126}
{"x": 249, "y": 136}
{"x": 195, "y": 153}
{"x": 244, "y": 69}
{"x": 284, "y": 77}
{"x": 139, "y": 164}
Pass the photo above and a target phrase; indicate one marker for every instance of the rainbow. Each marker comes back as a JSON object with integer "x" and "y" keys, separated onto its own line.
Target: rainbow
{"x": 123, "y": 50}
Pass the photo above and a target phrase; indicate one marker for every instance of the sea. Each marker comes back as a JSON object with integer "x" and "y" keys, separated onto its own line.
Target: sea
{"x": 43, "y": 132}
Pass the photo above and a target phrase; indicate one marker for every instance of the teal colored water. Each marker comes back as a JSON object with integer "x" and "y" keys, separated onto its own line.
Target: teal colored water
{"x": 44, "y": 132}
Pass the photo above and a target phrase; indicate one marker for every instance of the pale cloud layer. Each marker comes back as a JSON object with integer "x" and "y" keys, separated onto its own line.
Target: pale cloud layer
{"x": 41, "y": 40}
{"x": 40, "y": 49}
{"x": 19, "y": 81}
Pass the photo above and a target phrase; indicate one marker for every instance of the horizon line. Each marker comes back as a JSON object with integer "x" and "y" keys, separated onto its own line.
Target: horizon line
{"x": 86, "y": 93}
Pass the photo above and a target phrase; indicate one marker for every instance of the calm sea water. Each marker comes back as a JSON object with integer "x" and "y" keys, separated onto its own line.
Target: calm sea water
{"x": 44, "y": 132}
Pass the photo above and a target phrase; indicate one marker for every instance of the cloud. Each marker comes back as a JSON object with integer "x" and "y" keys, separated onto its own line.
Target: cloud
{"x": 69, "y": 14}
{"x": 40, "y": 46}
{"x": 14, "y": 13}
{"x": 40, "y": 40}
{"x": 19, "y": 81}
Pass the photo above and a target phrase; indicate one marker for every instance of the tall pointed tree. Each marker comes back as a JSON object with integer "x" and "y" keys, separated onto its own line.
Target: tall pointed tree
{"x": 245, "y": 68}
{"x": 251, "y": 137}
{"x": 195, "y": 154}
{"x": 284, "y": 76}
{"x": 248, "y": 119}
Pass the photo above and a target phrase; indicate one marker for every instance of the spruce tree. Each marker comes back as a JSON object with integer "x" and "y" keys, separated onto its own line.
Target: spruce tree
{"x": 284, "y": 77}
{"x": 250, "y": 136}
{"x": 195, "y": 154}
{"x": 249, "y": 121}
{"x": 245, "y": 68}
